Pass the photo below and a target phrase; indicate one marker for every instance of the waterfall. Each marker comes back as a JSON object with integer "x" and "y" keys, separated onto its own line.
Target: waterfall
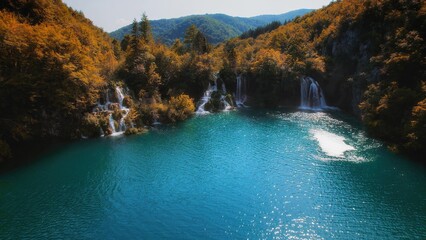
{"x": 311, "y": 95}
{"x": 207, "y": 97}
{"x": 102, "y": 133}
{"x": 225, "y": 103}
{"x": 240, "y": 95}
{"x": 111, "y": 123}
{"x": 107, "y": 108}
{"x": 120, "y": 96}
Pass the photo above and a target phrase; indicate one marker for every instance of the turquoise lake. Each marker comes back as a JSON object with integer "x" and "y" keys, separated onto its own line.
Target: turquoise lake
{"x": 248, "y": 174}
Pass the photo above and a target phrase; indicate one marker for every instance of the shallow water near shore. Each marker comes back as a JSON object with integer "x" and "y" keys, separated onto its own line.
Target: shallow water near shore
{"x": 256, "y": 174}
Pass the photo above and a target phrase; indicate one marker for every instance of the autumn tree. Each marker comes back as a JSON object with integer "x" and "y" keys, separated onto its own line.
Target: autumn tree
{"x": 53, "y": 62}
{"x": 178, "y": 47}
{"x": 153, "y": 80}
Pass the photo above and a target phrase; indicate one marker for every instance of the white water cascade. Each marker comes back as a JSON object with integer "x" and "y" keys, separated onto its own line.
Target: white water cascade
{"x": 241, "y": 93}
{"x": 108, "y": 108}
{"x": 205, "y": 99}
{"x": 311, "y": 95}
{"x": 125, "y": 110}
{"x": 208, "y": 95}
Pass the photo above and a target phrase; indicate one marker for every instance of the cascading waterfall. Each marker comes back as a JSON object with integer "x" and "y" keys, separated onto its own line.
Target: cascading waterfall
{"x": 240, "y": 95}
{"x": 120, "y": 96}
{"x": 311, "y": 95}
{"x": 205, "y": 99}
{"x": 212, "y": 88}
{"x": 225, "y": 103}
{"x": 108, "y": 107}
{"x": 112, "y": 124}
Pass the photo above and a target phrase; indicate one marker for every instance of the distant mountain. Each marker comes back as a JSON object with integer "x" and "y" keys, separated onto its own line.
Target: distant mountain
{"x": 282, "y": 17}
{"x": 217, "y": 27}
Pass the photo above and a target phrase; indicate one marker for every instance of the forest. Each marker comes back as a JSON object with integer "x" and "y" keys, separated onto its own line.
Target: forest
{"x": 55, "y": 65}
{"x": 216, "y": 27}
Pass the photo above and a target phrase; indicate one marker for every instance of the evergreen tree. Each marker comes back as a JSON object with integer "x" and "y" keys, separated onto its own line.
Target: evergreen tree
{"x": 200, "y": 43}
{"x": 117, "y": 48}
{"x": 195, "y": 41}
{"x": 134, "y": 43}
{"x": 145, "y": 29}
{"x": 135, "y": 29}
{"x": 190, "y": 34}
{"x": 125, "y": 42}
{"x": 178, "y": 47}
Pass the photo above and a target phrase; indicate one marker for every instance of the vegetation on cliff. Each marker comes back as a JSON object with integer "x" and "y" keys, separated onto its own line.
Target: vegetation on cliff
{"x": 55, "y": 67}
{"x": 53, "y": 62}
{"x": 369, "y": 56}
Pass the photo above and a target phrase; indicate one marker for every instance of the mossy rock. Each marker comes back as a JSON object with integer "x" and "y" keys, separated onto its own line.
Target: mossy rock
{"x": 216, "y": 103}
{"x": 230, "y": 99}
{"x": 117, "y": 114}
{"x": 208, "y": 106}
{"x": 5, "y": 151}
{"x": 114, "y": 107}
{"x": 91, "y": 125}
{"x": 116, "y": 125}
{"x": 131, "y": 131}
{"x": 128, "y": 102}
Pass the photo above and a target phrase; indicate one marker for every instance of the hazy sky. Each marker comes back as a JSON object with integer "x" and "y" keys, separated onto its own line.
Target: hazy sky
{"x": 113, "y": 14}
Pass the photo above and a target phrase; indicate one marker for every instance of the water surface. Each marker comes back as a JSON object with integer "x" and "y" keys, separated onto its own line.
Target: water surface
{"x": 237, "y": 175}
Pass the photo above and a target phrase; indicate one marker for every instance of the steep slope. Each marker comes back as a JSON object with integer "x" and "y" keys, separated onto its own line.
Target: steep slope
{"x": 217, "y": 27}
{"x": 52, "y": 63}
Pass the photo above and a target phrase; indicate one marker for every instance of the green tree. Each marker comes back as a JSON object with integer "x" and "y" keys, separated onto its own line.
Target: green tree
{"x": 178, "y": 47}
{"x": 125, "y": 43}
{"x": 134, "y": 42}
{"x": 200, "y": 43}
{"x": 195, "y": 41}
{"x": 117, "y": 48}
{"x": 190, "y": 34}
{"x": 145, "y": 29}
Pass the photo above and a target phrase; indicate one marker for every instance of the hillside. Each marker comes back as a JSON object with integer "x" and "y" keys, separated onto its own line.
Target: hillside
{"x": 216, "y": 27}
{"x": 368, "y": 56}
{"x": 53, "y": 61}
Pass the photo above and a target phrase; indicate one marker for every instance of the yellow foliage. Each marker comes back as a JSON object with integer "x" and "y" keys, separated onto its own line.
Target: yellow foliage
{"x": 180, "y": 108}
{"x": 266, "y": 59}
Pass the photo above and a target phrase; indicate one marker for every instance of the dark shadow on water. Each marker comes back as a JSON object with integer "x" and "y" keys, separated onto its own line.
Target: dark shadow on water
{"x": 33, "y": 152}
{"x": 29, "y": 153}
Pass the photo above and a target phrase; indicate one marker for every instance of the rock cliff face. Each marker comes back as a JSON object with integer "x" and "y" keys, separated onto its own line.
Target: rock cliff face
{"x": 348, "y": 72}
{"x": 375, "y": 69}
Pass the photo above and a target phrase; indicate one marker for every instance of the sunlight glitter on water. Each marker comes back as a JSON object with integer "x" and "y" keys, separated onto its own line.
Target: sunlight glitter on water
{"x": 241, "y": 174}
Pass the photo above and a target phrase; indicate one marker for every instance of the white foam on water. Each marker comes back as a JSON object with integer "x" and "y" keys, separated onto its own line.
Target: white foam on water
{"x": 331, "y": 144}
{"x": 114, "y": 134}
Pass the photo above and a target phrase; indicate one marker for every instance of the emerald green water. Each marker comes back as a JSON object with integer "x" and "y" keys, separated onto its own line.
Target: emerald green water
{"x": 238, "y": 175}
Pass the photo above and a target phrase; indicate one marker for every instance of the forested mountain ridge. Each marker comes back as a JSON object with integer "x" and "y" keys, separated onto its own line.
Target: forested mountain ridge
{"x": 216, "y": 27}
